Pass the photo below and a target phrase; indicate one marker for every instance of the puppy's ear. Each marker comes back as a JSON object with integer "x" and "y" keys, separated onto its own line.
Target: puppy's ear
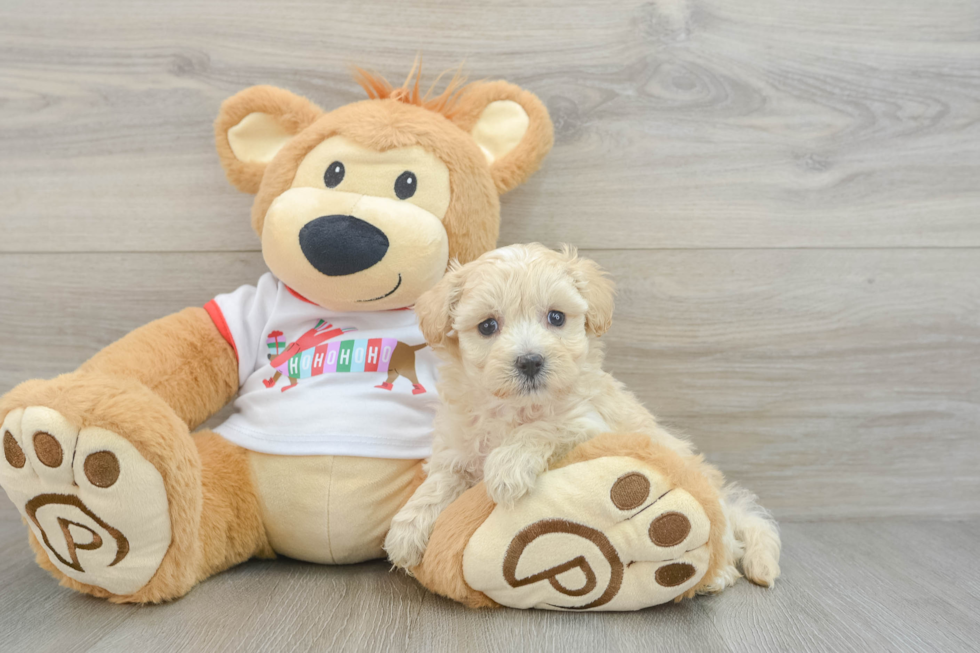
{"x": 253, "y": 125}
{"x": 597, "y": 289}
{"x": 511, "y": 126}
{"x": 435, "y": 308}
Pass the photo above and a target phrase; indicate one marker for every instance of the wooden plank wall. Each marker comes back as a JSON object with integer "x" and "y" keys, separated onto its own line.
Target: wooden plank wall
{"x": 788, "y": 195}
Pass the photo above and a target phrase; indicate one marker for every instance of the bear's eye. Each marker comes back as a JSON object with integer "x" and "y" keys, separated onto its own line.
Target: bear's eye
{"x": 487, "y": 327}
{"x": 406, "y": 185}
{"x": 334, "y": 174}
{"x": 556, "y": 318}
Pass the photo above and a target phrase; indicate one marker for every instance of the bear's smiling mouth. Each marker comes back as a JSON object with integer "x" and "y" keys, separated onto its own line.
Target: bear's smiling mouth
{"x": 387, "y": 294}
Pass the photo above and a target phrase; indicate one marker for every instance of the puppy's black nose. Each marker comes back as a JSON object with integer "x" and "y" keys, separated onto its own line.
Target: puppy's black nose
{"x": 530, "y": 364}
{"x": 342, "y": 244}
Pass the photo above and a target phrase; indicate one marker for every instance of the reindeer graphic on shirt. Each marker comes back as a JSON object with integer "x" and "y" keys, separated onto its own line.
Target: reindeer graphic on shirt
{"x": 311, "y": 355}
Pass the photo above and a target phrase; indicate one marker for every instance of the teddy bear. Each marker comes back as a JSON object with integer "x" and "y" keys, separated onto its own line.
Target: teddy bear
{"x": 359, "y": 211}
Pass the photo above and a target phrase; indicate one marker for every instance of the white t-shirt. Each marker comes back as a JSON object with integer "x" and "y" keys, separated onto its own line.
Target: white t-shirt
{"x": 318, "y": 382}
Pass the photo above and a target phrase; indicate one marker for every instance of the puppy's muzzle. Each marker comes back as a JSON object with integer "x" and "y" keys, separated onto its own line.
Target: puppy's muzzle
{"x": 337, "y": 245}
{"x": 529, "y": 365}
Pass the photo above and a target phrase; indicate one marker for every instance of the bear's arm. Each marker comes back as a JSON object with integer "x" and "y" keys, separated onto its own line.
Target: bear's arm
{"x": 181, "y": 357}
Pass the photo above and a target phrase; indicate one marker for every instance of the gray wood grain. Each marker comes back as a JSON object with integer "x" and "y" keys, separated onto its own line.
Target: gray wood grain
{"x": 680, "y": 123}
{"x": 835, "y": 383}
{"x": 878, "y": 585}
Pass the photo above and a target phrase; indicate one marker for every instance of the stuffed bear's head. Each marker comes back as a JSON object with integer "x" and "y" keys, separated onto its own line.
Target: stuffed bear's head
{"x": 362, "y": 208}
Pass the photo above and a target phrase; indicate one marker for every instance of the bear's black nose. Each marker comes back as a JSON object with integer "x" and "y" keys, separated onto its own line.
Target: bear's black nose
{"x": 530, "y": 364}
{"x": 342, "y": 244}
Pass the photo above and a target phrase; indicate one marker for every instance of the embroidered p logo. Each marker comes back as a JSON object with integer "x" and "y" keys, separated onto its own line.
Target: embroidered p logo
{"x": 83, "y": 521}
{"x": 553, "y": 574}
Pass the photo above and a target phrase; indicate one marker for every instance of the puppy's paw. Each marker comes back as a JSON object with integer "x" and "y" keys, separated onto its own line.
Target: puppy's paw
{"x": 405, "y": 543}
{"x": 726, "y": 576}
{"x": 761, "y": 566}
{"x": 508, "y": 480}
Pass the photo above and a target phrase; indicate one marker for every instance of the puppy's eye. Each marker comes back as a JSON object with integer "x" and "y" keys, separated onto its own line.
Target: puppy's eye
{"x": 406, "y": 184}
{"x": 334, "y": 174}
{"x": 556, "y": 318}
{"x": 487, "y": 327}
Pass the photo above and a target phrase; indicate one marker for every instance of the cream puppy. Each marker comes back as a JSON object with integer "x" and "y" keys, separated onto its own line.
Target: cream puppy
{"x": 523, "y": 385}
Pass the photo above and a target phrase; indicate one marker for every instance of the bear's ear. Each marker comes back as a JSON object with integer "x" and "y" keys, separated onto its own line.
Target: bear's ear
{"x": 510, "y": 125}
{"x": 253, "y": 125}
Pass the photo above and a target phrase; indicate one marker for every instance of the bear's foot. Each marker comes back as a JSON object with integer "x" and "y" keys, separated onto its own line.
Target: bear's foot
{"x": 606, "y": 534}
{"x": 98, "y": 507}
{"x": 602, "y": 532}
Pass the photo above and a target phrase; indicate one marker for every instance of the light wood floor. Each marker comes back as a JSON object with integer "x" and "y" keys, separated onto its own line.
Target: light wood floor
{"x": 787, "y": 193}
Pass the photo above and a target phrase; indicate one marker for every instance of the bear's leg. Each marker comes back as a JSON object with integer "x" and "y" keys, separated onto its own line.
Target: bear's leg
{"x": 120, "y": 500}
{"x": 621, "y": 523}
{"x": 231, "y": 526}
